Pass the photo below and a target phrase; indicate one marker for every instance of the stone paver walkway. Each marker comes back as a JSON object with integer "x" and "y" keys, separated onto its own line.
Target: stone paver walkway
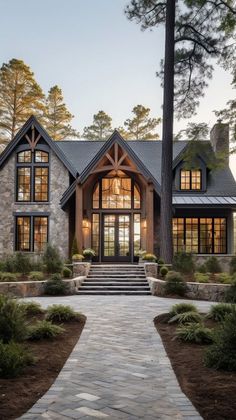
{"x": 119, "y": 368}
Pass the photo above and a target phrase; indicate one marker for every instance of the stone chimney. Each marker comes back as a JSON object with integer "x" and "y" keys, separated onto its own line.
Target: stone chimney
{"x": 219, "y": 137}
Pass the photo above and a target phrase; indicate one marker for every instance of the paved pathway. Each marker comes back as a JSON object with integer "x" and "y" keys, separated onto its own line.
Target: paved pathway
{"x": 119, "y": 368}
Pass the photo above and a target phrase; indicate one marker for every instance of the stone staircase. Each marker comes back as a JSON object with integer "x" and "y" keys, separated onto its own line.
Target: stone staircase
{"x": 115, "y": 279}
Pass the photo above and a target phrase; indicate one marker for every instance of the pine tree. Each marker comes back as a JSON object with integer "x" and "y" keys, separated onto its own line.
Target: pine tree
{"x": 141, "y": 126}
{"x": 20, "y": 97}
{"x": 101, "y": 128}
{"x": 57, "y": 118}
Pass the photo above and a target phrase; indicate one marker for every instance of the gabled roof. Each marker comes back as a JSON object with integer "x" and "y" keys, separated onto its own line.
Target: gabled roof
{"x": 54, "y": 145}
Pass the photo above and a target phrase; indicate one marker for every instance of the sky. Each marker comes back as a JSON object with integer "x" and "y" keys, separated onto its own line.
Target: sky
{"x": 100, "y": 59}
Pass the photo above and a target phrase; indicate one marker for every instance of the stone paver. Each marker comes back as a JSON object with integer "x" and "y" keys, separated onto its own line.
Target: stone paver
{"x": 119, "y": 368}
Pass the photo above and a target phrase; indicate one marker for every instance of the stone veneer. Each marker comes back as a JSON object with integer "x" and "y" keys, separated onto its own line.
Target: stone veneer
{"x": 58, "y": 219}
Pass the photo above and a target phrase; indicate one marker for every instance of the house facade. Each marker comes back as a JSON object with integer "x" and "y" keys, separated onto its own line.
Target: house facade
{"x": 107, "y": 195}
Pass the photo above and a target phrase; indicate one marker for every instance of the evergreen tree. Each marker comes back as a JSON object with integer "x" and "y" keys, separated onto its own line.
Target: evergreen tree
{"x": 141, "y": 126}
{"x": 195, "y": 31}
{"x": 57, "y": 118}
{"x": 20, "y": 97}
{"x": 101, "y": 128}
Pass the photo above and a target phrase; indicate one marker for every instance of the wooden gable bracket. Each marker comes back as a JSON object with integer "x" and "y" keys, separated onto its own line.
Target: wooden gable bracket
{"x": 116, "y": 163}
{"x": 33, "y": 142}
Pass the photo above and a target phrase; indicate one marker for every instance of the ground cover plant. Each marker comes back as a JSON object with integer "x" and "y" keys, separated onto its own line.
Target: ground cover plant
{"x": 219, "y": 311}
{"x": 61, "y": 313}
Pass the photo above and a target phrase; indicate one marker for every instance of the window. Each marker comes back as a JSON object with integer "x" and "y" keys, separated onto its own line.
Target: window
{"x": 116, "y": 193}
{"x": 95, "y": 233}
{"x": 190, "y": 179}
{"x": 31, "y": 233}
{"x": 200, "y": 235}
{"x": 137, "y": 233}
{"x": 32, "y": 176}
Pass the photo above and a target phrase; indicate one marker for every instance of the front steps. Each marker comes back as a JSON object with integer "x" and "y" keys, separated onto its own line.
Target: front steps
{"x": 115, "y": 279}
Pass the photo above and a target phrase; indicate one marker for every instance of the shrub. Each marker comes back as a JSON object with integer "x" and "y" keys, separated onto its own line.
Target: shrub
{"x": 183, "y": 262}
{"x": 78, "y": 257}
{"x": 230, "y": 294}
{"x": 32, "y": 308}
{"x": 12, "y": 320}
{"x": 149, "y": 257}
{"x": 22, "y": 263}
{"x": 161, "y": 261}
{"x": 13, "y": 359}
{"x": 224, "y": 278}
{"x": 9, "y": 264}
{"x": 201, "y": 277}
{"x": 163, "y": 271}
{"x": 67, "y": 273}
{"x": 8, "y": 277}
{"x": 52, "y": 259}
{"x": 186, "y": 318}
{"x": 181, "y": 308}
{"x": 212, "y": 265}
{"x": 89, "y": 252}
{"x": 195, "y": 333}
{"x": 61, "y": 313}
{"x": 233, "y": 265}
{"x": 44, "y": 330}
{"x": 36, "y": 276}
{"x": 201, "y": 268}
{"x": 37, "y": 265}
{"x": 220, "y": 311}
{"x": 55, "y": 286}
{"x": 222, "y": 354}
{"x": 174, "y": 284}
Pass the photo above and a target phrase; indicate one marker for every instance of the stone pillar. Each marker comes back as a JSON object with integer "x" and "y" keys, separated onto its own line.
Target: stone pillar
{"x": 219, "y": 137}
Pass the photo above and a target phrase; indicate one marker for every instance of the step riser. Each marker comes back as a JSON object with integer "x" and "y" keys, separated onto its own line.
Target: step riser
{"x": 119, "y": 293}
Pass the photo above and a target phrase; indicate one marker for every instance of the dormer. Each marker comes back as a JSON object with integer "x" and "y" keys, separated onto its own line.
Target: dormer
{"x": 191, "y": 179}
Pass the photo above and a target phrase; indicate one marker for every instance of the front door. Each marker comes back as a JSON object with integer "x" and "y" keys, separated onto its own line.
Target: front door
{"x": 116, "y": 244}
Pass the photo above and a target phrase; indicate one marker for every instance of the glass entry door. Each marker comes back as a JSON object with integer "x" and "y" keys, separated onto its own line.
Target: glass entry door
{"x": 116, "y": 237}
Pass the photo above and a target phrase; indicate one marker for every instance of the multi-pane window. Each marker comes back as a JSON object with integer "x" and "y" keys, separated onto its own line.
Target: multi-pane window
{"x": 190, "y": 179}
{"x": 200, "y": 235}
{"x": 32, "y": 176}
{"x": 116, "y": 193}
{"x": 137, "y": 233}
{"x": 31, "y": 233}
{"x": 95, "y": 232}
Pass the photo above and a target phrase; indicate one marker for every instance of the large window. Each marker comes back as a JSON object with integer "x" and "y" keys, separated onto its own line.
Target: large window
{"x": 31, "y": 233}
{"x": 116, "y": 193}
{"x": 200, "y": 235}
{"x": 32, "y": 176}
{"x": 95, "y": 232}
{"x": 190, "y": 179}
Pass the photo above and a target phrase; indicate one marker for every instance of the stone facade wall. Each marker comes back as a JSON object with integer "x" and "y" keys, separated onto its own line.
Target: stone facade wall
{"x": 224, "y": 260}
{"x": 202, "y": 291}
{"x": 151, "y": 269}
{"x": 58, "y": 219}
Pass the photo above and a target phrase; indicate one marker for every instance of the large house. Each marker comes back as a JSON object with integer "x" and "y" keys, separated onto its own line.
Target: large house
{"x": 107, "y": 195}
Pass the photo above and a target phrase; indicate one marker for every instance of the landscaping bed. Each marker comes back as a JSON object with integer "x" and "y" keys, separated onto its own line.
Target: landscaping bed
{"x": 211, "y": 391}
{"x": 20, "y": 393}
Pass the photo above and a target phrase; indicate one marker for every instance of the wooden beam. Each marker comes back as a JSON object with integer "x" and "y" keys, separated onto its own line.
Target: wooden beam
{"x": 121, "y": 159}
{"x": 79, "y": 217}
{"x": 150, "y": 218}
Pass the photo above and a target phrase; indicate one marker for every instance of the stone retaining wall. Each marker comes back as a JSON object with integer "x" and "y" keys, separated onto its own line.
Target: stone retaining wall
{"x": 36, "y": 288}
{"x": 81, "y": 269}
{"x": 203, "y": 291}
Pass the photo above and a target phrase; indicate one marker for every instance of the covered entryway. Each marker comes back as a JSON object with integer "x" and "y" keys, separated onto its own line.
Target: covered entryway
{"x": 116, "y": 243}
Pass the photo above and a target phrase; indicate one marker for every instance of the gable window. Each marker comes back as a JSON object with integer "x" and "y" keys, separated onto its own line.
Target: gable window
{"x": 32, "y": 176}
{"x": 31, "y": 233}
{"x": 190, "y": 179}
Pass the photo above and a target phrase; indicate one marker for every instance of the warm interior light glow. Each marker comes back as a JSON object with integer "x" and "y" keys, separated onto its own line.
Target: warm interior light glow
{"x": 145, "y": 224}
{"x": 116, "y": 186}
{"x": 85, "y": 223}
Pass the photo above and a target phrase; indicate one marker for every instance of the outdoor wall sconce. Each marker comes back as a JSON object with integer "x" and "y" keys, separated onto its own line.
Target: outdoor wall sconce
{"x": 144, "y": 223}
{"x": 85, "y": 223}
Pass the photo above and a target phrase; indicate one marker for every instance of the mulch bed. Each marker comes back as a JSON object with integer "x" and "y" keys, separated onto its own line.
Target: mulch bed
{"x": 19, "y": 394}
{"x": 212, "y": 392}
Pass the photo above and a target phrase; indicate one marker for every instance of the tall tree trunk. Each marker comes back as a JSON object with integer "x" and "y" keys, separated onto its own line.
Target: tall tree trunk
{"x": 167, "y": 136}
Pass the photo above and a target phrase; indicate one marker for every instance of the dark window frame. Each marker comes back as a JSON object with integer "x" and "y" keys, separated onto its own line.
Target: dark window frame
{"x": 32, "y": 229}
{"x": 190, "y": 171}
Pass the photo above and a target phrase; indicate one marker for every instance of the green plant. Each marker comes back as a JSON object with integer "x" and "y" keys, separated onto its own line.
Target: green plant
{"x": 74, "y": 247}
{"x": 140, "y": 253}
{"x": 77, "y": 257}
{"x": 230, "y": 293}
{"x": 67, "y": 273}
{"x": 13, "y": 359}
{"x": 37, "y": 265}
{"x": 36, "y": 276}
{"x": 201, "y": 277}
{"x": 32, "y": 308}
{"x": 233, "y": 265}
{"x": 220, "y": 311}
{"x": 149, "y": 257}
{"x": 89, "y": 252}
{"x": 186, "y": 318}
{"x": 9, "y": 264}
{"x": 44, "y": 330}
{"x": 183, "y": 262}
{"x": 22, "y": 263}
{"x": 61, "y": 313}
{"x": 201, "y": 268}
{"x": 55, "y": 286}
{"x": 224, "y": 278}
{"x": 222, "y": 354}
{"x": 12, "y": 320}
{"x": 195, "y": 333}
{"x": 180, "y": 308}
{"x": 174, "y": 284}
{"x": 8, "y": 277}
{"x": 161, "y": 261}
{"x": 52, "y": 259}
{"x": 163, "y": 271}
{"x": 212, "y": 265}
